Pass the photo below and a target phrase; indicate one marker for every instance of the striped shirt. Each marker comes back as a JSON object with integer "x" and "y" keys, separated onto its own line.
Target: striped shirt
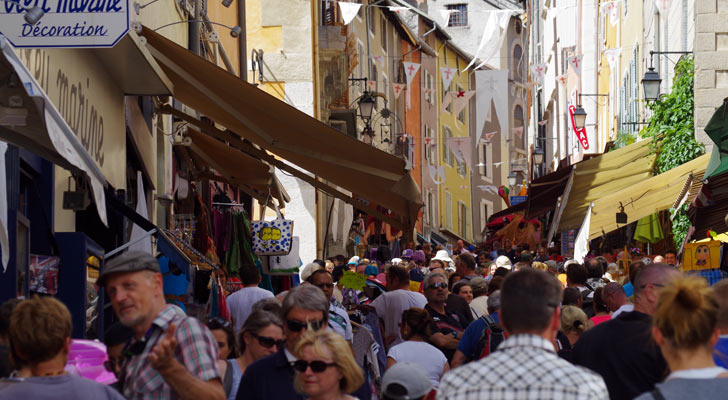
{"x": 196, "y": 350}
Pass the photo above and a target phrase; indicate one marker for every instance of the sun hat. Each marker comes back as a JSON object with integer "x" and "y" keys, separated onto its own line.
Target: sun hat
{"x": 503, "y": 261}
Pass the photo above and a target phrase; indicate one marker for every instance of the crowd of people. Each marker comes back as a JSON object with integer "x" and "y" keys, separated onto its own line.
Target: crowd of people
{"x": 471, "y": 324}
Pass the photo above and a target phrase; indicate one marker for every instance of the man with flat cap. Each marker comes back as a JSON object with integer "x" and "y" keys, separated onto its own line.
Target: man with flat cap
{"x": 171, "y": 356}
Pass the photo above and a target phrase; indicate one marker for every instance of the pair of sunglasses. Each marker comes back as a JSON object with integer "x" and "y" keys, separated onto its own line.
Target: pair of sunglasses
{"x": 316, "y": 365}
{"x": 438, "y": 285}
{"x": 269, "y": 342}
{"x": 297, "y": 326}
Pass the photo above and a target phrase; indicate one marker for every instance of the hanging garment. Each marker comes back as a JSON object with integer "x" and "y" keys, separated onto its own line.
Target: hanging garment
{"x": 213, "y": 302}
{"x": 221, "y": 224}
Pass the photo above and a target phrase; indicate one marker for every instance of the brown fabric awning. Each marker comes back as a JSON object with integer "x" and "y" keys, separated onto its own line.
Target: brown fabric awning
{"x": 285, "y": 131}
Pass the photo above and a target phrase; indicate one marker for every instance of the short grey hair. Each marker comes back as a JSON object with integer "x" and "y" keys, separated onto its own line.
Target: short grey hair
{"x": 494, "y": 301}
{"x": 307, "y": 297}
{"x": 431, "y": 276}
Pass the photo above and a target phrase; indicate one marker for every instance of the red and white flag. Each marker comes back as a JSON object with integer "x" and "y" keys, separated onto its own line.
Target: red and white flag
{"x": 446, "y": 100}
{"x": 461, "y": 149}
{"x": 447, "y": 76}
{"x": 398, "y": 88}
{"x": 544, "y": 122}
{"x": 410, "y": 70}
{"x": 518, "y": 132}
{"x": 437, "y": 174}
{"x": 372, "y": 85}
{"x": 348, "y": 11}
{"x": 561, "y": 79}
{"x": 489, "y": 136}
{"x": 539, "y": 71}
{"x": 613, "y": 56}
{"x": 379, "y": 60}
{"x": 461, "y": 100}
{"x": 575, "y": 62}
{"x": 663, "y": 6}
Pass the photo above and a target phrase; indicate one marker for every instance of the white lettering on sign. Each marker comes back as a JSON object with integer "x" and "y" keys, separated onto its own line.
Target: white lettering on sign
{"x": 66, "y": 23}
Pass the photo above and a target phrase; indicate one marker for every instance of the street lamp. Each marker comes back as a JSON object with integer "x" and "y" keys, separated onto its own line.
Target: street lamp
{"x": 651, "y": 81}
{"x": 538, "y": 156}
{"x": 367, "y": 103}
{"x": 512, "y": 179}
{"x": 579, "y": 117}
{"x": 651, "y": 84}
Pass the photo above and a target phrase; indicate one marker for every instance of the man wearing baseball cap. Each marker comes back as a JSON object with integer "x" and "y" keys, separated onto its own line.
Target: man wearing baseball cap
{"x": 171, "y": 355}
{"x": 406, "y": 381}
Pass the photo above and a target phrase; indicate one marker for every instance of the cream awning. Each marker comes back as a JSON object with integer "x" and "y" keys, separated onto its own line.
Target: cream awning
{"x": 288, "y": 133}
{"x": 644, "y": 198}
{"x": 605, "y": 175}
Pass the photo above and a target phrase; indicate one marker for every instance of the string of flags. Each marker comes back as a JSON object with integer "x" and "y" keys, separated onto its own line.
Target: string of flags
{"x": 612, "y": 56}
{"x": 575, "y": 62}
{"x": 612, "y": 8}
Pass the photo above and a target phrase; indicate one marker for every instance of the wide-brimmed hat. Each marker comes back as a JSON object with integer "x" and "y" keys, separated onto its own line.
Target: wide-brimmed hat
{"x": 442, "y": 256}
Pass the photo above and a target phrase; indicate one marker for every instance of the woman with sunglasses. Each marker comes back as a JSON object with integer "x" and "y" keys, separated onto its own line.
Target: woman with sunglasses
{"x": 261, "y": 336}
{"x": 325, "y": 367}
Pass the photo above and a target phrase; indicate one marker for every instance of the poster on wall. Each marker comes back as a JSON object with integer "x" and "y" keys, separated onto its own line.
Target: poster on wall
{"x": 44, "y": 274}
{"x": 64, "y": 23}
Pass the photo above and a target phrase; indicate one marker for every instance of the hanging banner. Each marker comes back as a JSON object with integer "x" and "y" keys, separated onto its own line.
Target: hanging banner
{"x": 493, "y": 35}
{"x": 397, "y": 88}
{"x": 348, "y": 11}
{"x": 447, "y": 76}
{"x": 379, "y": 60}
{"x": 539, "y": 71}
{"x": 611, "y": 8}
{"x": 575, "y": 62}
{"x": 437, "y": 174}
{"x": 461, "y": 149}
{"x": 461, "y": 100}
{"x": 372, "y": 85}
{"x": 561, "y": 79}
{"x": 410, "y": 70}
{"x": 581, "y": 244}
{"x": 663, "y": 6}
{"x": 580, "y": 133}
{"x": 445, "y": 16}
{"x": 489, "y": 136}
{"x": 492, "y": 91}
{"x": 492, "y": 189}
{"x": 544, "y": 122}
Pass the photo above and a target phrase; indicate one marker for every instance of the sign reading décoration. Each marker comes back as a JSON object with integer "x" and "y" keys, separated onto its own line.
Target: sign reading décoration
{"x": 65, "y": 23}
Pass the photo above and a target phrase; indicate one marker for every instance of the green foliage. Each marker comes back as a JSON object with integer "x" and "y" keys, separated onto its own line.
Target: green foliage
{"x": 624, "y": 138}
{"x": 680, "y": 224}
{"x": 671, "y": 125}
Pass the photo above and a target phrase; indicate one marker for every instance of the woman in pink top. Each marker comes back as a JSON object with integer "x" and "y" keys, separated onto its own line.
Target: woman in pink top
{"x": 601, "y": 312}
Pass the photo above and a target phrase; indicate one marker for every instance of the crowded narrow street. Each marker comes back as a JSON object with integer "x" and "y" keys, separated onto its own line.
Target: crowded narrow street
{"x": 364, "y": 199}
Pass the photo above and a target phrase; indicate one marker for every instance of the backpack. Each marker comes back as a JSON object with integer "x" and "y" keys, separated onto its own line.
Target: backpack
{"x": 492, "y": 336}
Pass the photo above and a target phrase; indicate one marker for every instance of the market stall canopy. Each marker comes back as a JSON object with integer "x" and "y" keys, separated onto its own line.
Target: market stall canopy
{"x": 285, "y": 131}
{"x": 603, "y": 176}
{"x": 543, "y": 195}
{"x": 34, "y": 123}
{"x": 643, "y": 198}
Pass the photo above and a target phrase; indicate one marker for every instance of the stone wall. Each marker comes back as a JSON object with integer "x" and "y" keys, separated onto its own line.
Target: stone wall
{"x": 711, "y": 62}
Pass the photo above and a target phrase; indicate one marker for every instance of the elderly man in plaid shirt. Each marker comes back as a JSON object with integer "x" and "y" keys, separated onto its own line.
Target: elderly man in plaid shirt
{"x": 172, "y": 356}
{"x": 525, "y": 366}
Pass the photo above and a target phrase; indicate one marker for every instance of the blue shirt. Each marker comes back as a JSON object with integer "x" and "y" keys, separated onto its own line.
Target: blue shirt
{"x": 720, "y": 351}
{"x": 469, "y": 342}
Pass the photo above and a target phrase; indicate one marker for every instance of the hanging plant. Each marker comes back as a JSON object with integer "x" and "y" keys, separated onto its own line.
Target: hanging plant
{"x": 671, "y": 126}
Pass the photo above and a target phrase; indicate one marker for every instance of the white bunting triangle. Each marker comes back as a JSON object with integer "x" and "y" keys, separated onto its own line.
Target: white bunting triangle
{"x": 461, "y": 149}
{"x": 372, "y": 85}
{"x": 446, "y": 100}
{"x": 612, "y": 56}
{"x": 398, "y": 88}
{"x": 518, "y": 132}
{"x": 489, "y": 136}
{"x": 544, "y": 122}
{"x": 410, "y": 70}
{"x": 561, "y": 79}
{"x": 348, "y": 11}
{"x": 447, "y": 76}
{"x": 437, "y": 174}
{"x": 445, "y": 15}
{"x": 379, "y": 60}
{"x": 663, "y": 6}
{"x": 539, "y": 71}
{"x": 461, "y": 100}
{"x": 492, "y": 189}
{"x": 575, "y": 62}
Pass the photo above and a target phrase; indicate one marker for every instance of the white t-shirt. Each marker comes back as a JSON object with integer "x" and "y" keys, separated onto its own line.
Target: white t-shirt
{"x": 427, "y": 356}
{"x": 241, "y": 303}
{"x": 339, "y": 321}
{"x": 390, "y": 306}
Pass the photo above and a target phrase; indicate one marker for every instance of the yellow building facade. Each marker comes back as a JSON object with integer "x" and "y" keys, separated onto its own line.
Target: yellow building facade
{"x": 454, "y": 195}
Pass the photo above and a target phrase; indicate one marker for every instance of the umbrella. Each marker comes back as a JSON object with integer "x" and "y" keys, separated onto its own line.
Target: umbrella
{"x": 649, "y": 230}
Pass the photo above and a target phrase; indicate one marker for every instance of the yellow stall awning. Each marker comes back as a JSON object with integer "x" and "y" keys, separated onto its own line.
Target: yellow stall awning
{"x": 644, "y": 198}
{"x": 290, "y": 134}
{"x": 602, "y": 176}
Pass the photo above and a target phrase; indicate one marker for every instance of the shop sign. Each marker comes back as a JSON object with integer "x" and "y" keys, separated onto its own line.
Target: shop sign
{"x": 518, "y": 200}
{"x": 90, "y": 102}
{"x": 65, "y": 23}
{"x": 580, "y": 133}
